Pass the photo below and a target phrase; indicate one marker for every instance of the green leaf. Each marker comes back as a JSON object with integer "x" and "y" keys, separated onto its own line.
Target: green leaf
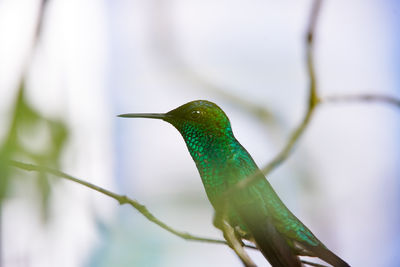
{"x": 33, "y": 137}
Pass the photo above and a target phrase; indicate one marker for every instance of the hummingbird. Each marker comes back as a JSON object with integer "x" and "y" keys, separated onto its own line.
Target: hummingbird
{"x": 256, "y": 213}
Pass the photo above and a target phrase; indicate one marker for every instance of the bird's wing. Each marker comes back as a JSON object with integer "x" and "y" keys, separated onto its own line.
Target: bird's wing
{"x": 276, "y": 230}
{"x": 250, "y": 207}
{"x": 296, "y": 232}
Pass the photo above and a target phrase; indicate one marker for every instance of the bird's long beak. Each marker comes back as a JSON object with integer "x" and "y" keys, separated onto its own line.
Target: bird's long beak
{"x": 161, "y": 116}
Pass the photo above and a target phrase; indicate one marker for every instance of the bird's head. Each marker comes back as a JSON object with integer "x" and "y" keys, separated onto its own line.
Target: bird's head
{"x": 193, "y": 118}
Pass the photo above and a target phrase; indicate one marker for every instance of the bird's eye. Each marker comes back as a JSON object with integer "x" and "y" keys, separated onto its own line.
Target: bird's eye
{"x": 195, "y": 114}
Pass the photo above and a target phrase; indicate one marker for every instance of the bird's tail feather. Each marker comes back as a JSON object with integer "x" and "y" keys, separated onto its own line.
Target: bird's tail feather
{"x": 326, "y": 255}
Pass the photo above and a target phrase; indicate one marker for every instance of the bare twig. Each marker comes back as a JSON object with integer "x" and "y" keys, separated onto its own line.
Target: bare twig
{"x": 313, "y": 101}
{"x": 36, "y": 37}
{"x": 122, "y": 199}
{"x": 235, "y": 244}
{"x": 310, "y": 36}
{"x": 39, "y": 24}
{"x": 362, "y": 98}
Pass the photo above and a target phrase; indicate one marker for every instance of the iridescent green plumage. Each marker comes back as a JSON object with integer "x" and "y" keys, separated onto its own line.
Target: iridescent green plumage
{"x": 256, "y": 212}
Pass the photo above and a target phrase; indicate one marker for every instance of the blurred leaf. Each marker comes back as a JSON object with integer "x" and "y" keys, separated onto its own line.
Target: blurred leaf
{"x": 32, "y": 137}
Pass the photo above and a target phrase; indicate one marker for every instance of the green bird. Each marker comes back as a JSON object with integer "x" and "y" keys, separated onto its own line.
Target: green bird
{"x": 256, "y": 212}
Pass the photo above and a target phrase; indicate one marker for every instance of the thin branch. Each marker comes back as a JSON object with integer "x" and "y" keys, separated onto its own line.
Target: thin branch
{"x": 313, "y": 95}
{"x": 310, "y": 36}
{"x": 122, "y": 199}
{"x": 39, "y": 24}
{"x": 236, "y": 245}
{"x": 36, "y": 37}
{"x": 313, "y": 101}
{"x": 362, "y": 98}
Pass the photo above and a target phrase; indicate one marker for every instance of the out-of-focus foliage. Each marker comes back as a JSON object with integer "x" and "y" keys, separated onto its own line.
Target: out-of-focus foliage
{"x": 34, "y": 138}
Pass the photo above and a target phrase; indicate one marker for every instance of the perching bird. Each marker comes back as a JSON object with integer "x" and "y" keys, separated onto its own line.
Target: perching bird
{"x": 255, "y": 212}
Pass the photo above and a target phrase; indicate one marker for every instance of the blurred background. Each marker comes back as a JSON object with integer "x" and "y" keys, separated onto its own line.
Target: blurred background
{"x": 67, "y": 68}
